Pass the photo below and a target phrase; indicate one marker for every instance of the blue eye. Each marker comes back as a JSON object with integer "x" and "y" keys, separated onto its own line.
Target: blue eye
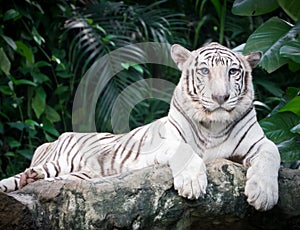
{"x": 234, "y": 71}
{"x": 203, "y": 71}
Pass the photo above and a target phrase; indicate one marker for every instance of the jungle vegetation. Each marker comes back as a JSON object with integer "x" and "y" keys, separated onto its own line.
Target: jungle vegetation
{"x": 46, "y": 47}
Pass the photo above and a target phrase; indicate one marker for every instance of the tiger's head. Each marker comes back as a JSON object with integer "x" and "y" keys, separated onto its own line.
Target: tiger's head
{"x": 216, "y": 83}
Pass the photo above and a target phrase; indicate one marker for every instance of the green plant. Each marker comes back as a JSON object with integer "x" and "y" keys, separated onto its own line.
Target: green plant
{"x": 212, "y": 20}
{"x": 103, "y": 26}
{"x": 32, "y": 83}
{"x": 279, "y": 41}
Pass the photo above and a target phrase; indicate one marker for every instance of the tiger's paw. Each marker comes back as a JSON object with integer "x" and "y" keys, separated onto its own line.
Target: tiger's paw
{"x": 191, "y": 180}
{"x": 262, "y": 192}
{"x": 30, "y": 175}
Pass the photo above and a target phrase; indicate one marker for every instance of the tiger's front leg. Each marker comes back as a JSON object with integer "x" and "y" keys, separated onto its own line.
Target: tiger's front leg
{"x": 188, "y": 170}
{"x": 262, "y": 177}
{"x": 45, "y": 171}
{"x": 30, "y": 175}
{"x": 18, "y": 181}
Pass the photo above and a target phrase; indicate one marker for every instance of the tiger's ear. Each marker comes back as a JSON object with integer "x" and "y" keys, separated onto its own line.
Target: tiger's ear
{"x": 254, "y": 58}
{"x": 179, "y": 54}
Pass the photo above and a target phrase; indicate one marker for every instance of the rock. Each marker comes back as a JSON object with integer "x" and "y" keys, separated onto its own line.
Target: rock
{"x": 145, "y": 199}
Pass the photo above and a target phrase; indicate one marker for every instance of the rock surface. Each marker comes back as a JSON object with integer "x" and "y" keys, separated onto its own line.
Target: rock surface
{"x": 145, "y": 199}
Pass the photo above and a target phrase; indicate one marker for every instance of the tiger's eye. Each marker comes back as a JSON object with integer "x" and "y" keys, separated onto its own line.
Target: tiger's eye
{"x": 234, "y": 71}
{"x": 203, "y": 71}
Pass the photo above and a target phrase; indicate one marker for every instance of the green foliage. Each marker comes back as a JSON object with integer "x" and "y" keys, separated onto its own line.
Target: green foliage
{"x": 53, "y": 44}
{"x": 279, "y": 41}
{"x": 32, "y": 100}
{"x": 97, "y": 36}
{"x": 283, "y": 130}
{"x": 271, "y": 38}
{"x": 253, "y": 7}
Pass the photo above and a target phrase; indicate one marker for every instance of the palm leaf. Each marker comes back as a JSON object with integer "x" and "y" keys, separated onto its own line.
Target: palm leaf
{"x": 101, "y": 27}
{"x": 95, "y": 24}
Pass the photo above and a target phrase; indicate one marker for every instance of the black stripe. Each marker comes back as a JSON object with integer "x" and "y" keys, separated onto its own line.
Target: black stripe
{"x": 187, "y": 78}
{"x": 196, "y": 60}
{"x": 246, "y": 80}
{"x": 69, "y": 153}
{"x": 57, "y": 168}
{"x": 86, "y": 175}
{"x": 227, "y": 53}
{"x": 76, "y": 175}
{"x": 58, "y": 153}
{"x": 193, "y": 81}
{"x": 46, "y": 170}
{"x": 126, "y": 157}
{"x": 253, "y": 117}
{"x": 248, "y": 157}
{"x": 72, "y": 163}
{"x": 177, "y": 128}
{"x": 131, "y": 135}
{"x": 242, "y": 138}
{"x": 104, "y": 158}
{"x": 16, "y": 185}
{"x": 140, "y": 143}
{"x": 192, "y": 125}
{"x": 81, "y": 146}
{"x": 42, "y": 155}
{"x": 244, "y": 115}
{"x": 206, "y": 49}
{"x": 114, "y": 156}
{"x": 252, "y": 146}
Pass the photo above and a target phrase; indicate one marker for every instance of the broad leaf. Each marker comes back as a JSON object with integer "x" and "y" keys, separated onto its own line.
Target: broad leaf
{"x": 26, "y": 153}
{"x": 17, "y": 125}
{"x": 39, "y": 102}
{"x": 278, "y": 126}
{"x": 253, "y": 7}
{"x": 289, "y": 150}
{"x": 291, "y": 8}
{"x": 296, "y": 129}
{"x": 280, "y": 129}
{"x": 292, "y": 106}
{"x": 25, "y": 51}
{"x": 4, "y": 62}
{"x": 269, "y": 38}
{"x": 51, "y": 114}
{"x": 9, "y": 41}
{"x": 11, "y": 14}
{"x": 269, "y": 86}
{"x": 49, "y": 128}
{"x": 31, "y": 123}
{"x": 291, "y": 50}
{"x": 13, "y": 143}
{"x": 39, "y": 77}
{"x": 37, "y": 37}
{"x": 23, "y": 82}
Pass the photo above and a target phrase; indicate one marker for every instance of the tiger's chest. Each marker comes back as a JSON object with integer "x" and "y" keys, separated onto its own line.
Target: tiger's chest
{"x": 215, "y": 140}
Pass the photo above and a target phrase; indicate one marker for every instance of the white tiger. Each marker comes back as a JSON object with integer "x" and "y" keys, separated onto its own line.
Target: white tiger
{"x": 211, "y": 116}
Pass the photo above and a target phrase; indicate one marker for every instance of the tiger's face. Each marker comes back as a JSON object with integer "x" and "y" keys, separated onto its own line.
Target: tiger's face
{"x": 216, "y": 81}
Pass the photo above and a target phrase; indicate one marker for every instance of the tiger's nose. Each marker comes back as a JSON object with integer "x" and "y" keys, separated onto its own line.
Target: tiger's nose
{"x": 220, "y": 99}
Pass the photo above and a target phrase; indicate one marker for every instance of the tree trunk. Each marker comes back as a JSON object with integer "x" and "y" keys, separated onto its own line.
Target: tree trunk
{"x": 146, "y": 199}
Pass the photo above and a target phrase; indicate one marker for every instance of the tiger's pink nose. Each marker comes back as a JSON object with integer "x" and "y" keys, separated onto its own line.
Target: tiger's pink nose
{"x": 220, "y": 99}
